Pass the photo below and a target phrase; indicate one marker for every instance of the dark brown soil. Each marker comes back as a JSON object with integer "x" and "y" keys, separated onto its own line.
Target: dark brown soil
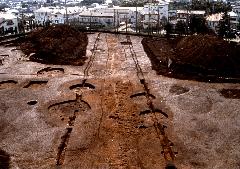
{"x": 231, "y": 93}
{"x": 60, "y": 44}
{"x": 4, "y": 159}
{"x": 199, "y": 57}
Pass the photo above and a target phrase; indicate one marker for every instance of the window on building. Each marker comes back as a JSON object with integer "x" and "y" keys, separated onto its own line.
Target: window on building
{"x": 10, "y": 22}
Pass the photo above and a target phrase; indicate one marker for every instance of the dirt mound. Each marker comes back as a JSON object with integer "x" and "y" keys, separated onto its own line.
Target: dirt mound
{"x": 60, "y": 44}
{"x": 209, "y": 52}
{"x": 199, "y": 57}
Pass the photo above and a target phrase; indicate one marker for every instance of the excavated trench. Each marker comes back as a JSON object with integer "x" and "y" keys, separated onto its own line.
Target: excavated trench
{"x": 36, "y": 84}
{"x": 59, "y": 113}
{"x": 8, "y": 84}
{"x": 49, "y": 71}
{"x": 78, "y": 88}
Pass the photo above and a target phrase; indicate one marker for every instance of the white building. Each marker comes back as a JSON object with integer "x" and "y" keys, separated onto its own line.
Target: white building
{"x": 233, "y": 19}
{"x": 96, "y": 19}
{"x": 213, "y": 21}
{"x": 57, "y": 15}
{"x": 8, "y": 22}
{"x": 43, "y": 14}
{"x": 110, "y": 16}
{"x": 183, "y": 15}
{"x": 154, "y": 14}
{"x": 236, "y": 9}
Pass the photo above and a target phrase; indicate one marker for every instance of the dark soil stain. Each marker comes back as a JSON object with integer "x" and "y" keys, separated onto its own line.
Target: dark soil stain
{"x": 4, "y": 160}
{"x": 176, "y": 89}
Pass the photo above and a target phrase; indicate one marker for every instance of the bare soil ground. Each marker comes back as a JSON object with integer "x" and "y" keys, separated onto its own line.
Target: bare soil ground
{"x": 103, "y": 115}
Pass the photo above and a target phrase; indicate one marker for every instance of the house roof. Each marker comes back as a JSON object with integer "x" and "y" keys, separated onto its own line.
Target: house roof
{"x": 96, "y": 14}
{"x": 7, "y": 16}
{"x": 191, "y": 12}
{"x": 214, "y": 17}
{"x": 232, "y": 14}
{"x": 44, "y": 10}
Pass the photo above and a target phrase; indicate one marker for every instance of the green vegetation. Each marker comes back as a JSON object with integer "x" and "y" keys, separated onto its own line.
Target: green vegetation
{"x": 211, "y": 7}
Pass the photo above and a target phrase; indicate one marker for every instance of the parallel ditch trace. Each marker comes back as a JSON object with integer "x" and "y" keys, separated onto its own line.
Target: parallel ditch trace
{"x": 65, "y": 113}
{"x": 166, "y": 144}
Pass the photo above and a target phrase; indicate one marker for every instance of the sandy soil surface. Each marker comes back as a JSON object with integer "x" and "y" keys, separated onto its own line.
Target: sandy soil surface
{"x": 101, "y": 116}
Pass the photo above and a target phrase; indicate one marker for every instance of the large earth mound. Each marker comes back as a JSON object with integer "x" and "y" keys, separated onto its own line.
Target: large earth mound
{"x": 199, "y": 57}
{"x": 60, "y": 44}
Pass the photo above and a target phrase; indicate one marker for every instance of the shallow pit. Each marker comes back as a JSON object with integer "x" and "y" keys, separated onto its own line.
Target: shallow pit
{"x": 177, "y": 90}
{"x": 8, "y": 84}
{"x": 36, "y": 84}
{"x": 32, "y": 102}
{"x": 59, "y": 113}
{"x": 49, "y": 71}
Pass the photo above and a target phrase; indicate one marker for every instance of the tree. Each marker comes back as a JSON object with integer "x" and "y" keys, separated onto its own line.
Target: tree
{"x": 181, "y": 27}
{"x": 224, "y": 26}
{"x": 211, "y": 7}
{"x": 168, "y": 27}
{"x": 198, "y": 24}
{"x": 3, "y": 6}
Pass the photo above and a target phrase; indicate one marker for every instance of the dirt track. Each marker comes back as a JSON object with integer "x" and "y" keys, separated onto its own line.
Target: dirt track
{"x": 98, "y": 115}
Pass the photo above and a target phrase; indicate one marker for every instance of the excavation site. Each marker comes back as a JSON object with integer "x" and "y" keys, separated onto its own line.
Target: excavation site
{"x": 73, "y": 99}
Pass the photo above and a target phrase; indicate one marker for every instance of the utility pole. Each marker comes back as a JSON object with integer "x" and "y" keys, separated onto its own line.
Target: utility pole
{"x": 114, "y": 20}
{"x": 90, "y": 26}
{"x": 126, "y": 22}
{"x": 66, "y": 12}
{"x": 136, "y": 17}
{"x": 149, "y": 17}
{"x": 158, "y": 24}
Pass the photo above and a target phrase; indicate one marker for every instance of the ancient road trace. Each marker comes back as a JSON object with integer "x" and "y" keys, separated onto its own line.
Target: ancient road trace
{"x": 114, "y": 112}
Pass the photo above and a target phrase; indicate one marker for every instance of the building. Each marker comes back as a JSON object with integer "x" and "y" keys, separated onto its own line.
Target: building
{"x": 154, "y": 14}
{"x": 184, "y": 15}
{"x": 56, "y": 15}
{"x": 233, "y": 19}
{"x": 8, "y": 23}
{"x": 236, "y": 9}
{"x": 96, "y": 19}
{"x": 42, "y": 15}
{"x": 214, "y": 20}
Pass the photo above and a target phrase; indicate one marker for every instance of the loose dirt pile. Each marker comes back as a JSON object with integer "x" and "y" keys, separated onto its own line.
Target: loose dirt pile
{"x": 200, "y": 57}
{"x": 60, "y": 44}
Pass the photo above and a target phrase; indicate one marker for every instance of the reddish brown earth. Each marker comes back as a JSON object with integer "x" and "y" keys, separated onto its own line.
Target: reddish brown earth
{"x": 103, "y": 115}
